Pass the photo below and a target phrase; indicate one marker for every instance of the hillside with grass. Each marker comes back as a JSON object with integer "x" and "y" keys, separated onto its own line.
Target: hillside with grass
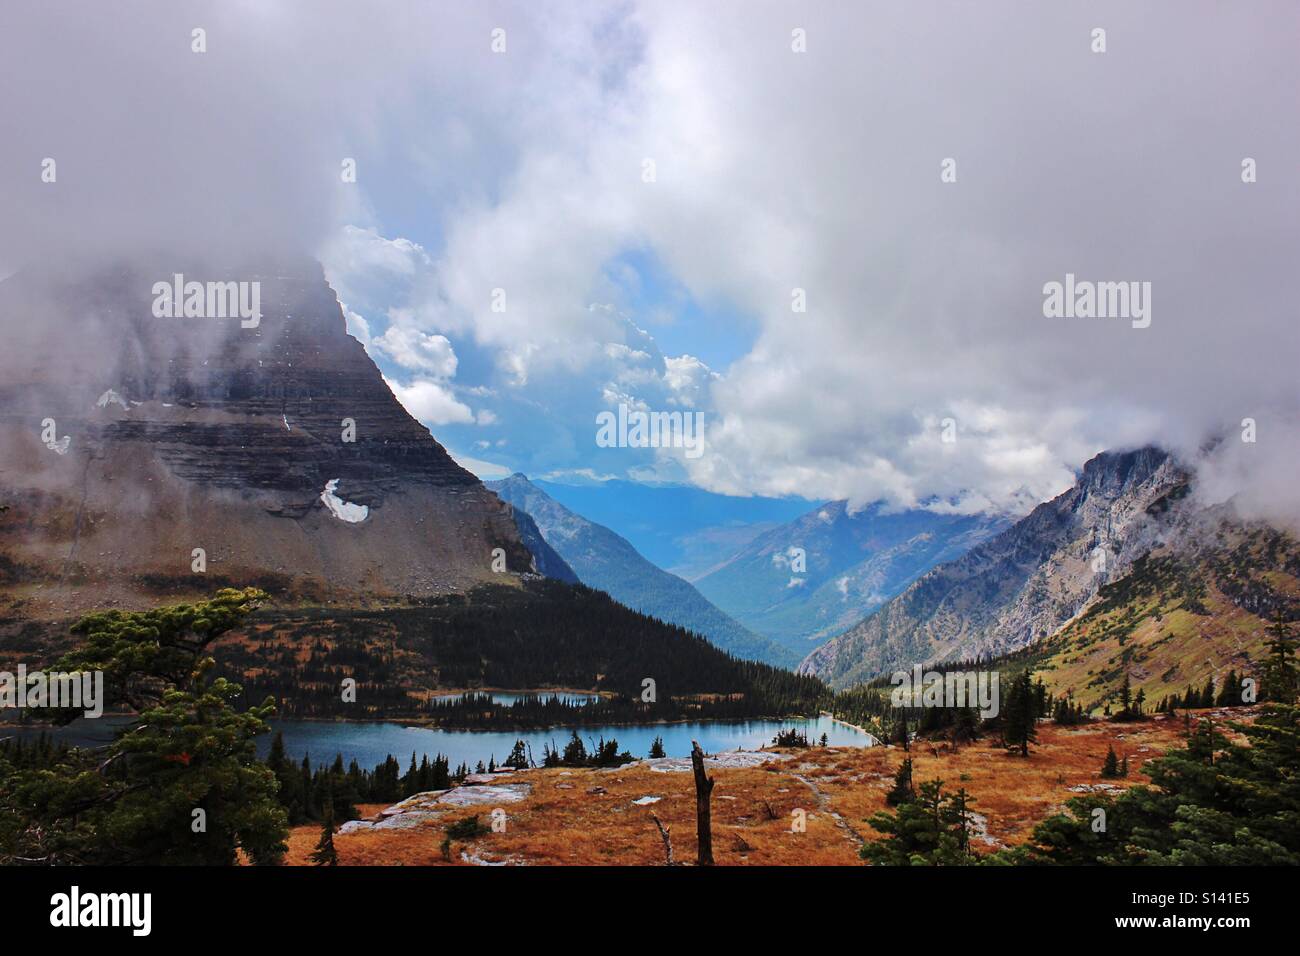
{"x": 1186, "y": 614}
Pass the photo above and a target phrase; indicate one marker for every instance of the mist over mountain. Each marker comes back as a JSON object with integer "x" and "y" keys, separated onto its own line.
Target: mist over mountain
{"x": 1023, "y": 584}
{"x": 146, "y": 456}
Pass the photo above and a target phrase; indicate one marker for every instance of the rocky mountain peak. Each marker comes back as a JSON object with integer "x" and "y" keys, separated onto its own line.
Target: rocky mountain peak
{"x": 273, "y": 445}
{"x": 1023, "y": 584}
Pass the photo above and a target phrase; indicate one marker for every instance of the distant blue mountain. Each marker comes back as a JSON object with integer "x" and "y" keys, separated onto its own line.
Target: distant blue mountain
{"x": 684, "y": 530}
{"x": 852, "y": 562}
{"x": 607, "y": 561}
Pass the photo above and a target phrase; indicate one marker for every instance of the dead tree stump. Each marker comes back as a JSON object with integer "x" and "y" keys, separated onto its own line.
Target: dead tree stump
{"x": 703, "y": 792}
{"x": 665, "y": 834}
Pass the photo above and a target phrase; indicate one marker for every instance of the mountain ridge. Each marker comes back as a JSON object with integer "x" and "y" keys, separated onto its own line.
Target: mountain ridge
{"x": 606, "y": 560}
{"x": 852, "y": 562}
{"x": 682, "y": 529}
{"x": 1022, "y": 584}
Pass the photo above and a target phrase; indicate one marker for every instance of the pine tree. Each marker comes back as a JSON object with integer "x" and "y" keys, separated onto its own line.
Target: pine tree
{"x": 929, "y": 829}
{"x": 1042, "y": 700}
{"x": 901, "y": 734}
{"x": 290, "y": 795}
{"x": 1278, "y": 674}
{"x": 304, "y": 782}
{"x": 575, "y": 752}
{"x": 325, "y": 854}
{"x": 185, "y": 745}
{"x": 411, "y": 782}
{"x": 1125, "y": 700}
{"x": 518, "y": 758}
{"x": 959, "y": 815}
{"x": 1230, "y": 692}
{"x": 1110, "y": 768}
{"x": 902, "y": 792}
{"x": 1207, "y": 693}
{"x": 551, "y": 756}
{"x": 1018, "y": 719}
{"x": 966, "y": 726}
{"x": 657, "y": 748}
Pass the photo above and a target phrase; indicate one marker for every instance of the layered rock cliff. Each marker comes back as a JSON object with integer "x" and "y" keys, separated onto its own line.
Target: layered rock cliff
{"x": 127, "y": 441}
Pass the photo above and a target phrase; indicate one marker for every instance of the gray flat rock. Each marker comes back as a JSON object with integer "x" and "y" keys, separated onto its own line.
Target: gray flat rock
{"x": 421, "y": 808}
{"x": 727, "y": 760}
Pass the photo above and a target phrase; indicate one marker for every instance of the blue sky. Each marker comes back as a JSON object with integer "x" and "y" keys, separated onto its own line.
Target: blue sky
{"x": 715, "y": 331}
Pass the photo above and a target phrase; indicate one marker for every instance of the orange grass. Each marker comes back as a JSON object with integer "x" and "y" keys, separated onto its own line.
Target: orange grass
{"x": 563, "y": 823}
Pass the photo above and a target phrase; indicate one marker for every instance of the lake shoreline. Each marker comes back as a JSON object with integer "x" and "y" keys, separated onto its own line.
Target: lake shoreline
{"x": 845, "y": 723}
{"x": 371, "y": 742}
{"x": 427, "y": 724}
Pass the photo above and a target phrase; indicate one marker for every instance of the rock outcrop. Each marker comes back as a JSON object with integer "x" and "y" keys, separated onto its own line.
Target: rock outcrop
{"x": 1021, "y": 585}
{"x": 129, "y": 441}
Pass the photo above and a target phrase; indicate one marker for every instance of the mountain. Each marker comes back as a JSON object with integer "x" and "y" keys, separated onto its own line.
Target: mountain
{"x": 546, "y": 560}
{"x": 128, "y": 441}
{"x": 605, "y": 560}
{"x": 1198, "y": 607}
{"x": 539, "y": 633}
{"x": 687, "y": 531}
{"x": 853, "y": 562}
{"x": 1023, "y": 584}
{"x": 276, "y": 447}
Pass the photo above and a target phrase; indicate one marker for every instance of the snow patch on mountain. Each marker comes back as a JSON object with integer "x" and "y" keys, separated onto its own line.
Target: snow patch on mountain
{"x": 343, "y": 510}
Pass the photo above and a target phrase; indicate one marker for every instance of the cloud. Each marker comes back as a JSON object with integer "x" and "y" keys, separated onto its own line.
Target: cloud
{"x": 484, "y": 470}
{"x": 357, "y": 326}
{"x": 431, "y": 403}
{"x": 500, "y": 196}
{"x": 418, "y": 351}
{"x": 924, "y": 298}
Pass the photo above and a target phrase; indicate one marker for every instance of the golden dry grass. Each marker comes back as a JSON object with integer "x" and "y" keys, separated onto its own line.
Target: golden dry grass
{"x": 564, "y": 823}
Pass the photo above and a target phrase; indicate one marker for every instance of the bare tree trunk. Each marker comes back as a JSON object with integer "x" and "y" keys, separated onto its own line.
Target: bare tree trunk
{"x": 665, "y": 833}
{"x": 703, "y": 791}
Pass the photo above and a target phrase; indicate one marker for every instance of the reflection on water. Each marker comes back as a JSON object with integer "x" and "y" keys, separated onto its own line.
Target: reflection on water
{"x": 508, "y": 698}
{"x": 370, "y": 742}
